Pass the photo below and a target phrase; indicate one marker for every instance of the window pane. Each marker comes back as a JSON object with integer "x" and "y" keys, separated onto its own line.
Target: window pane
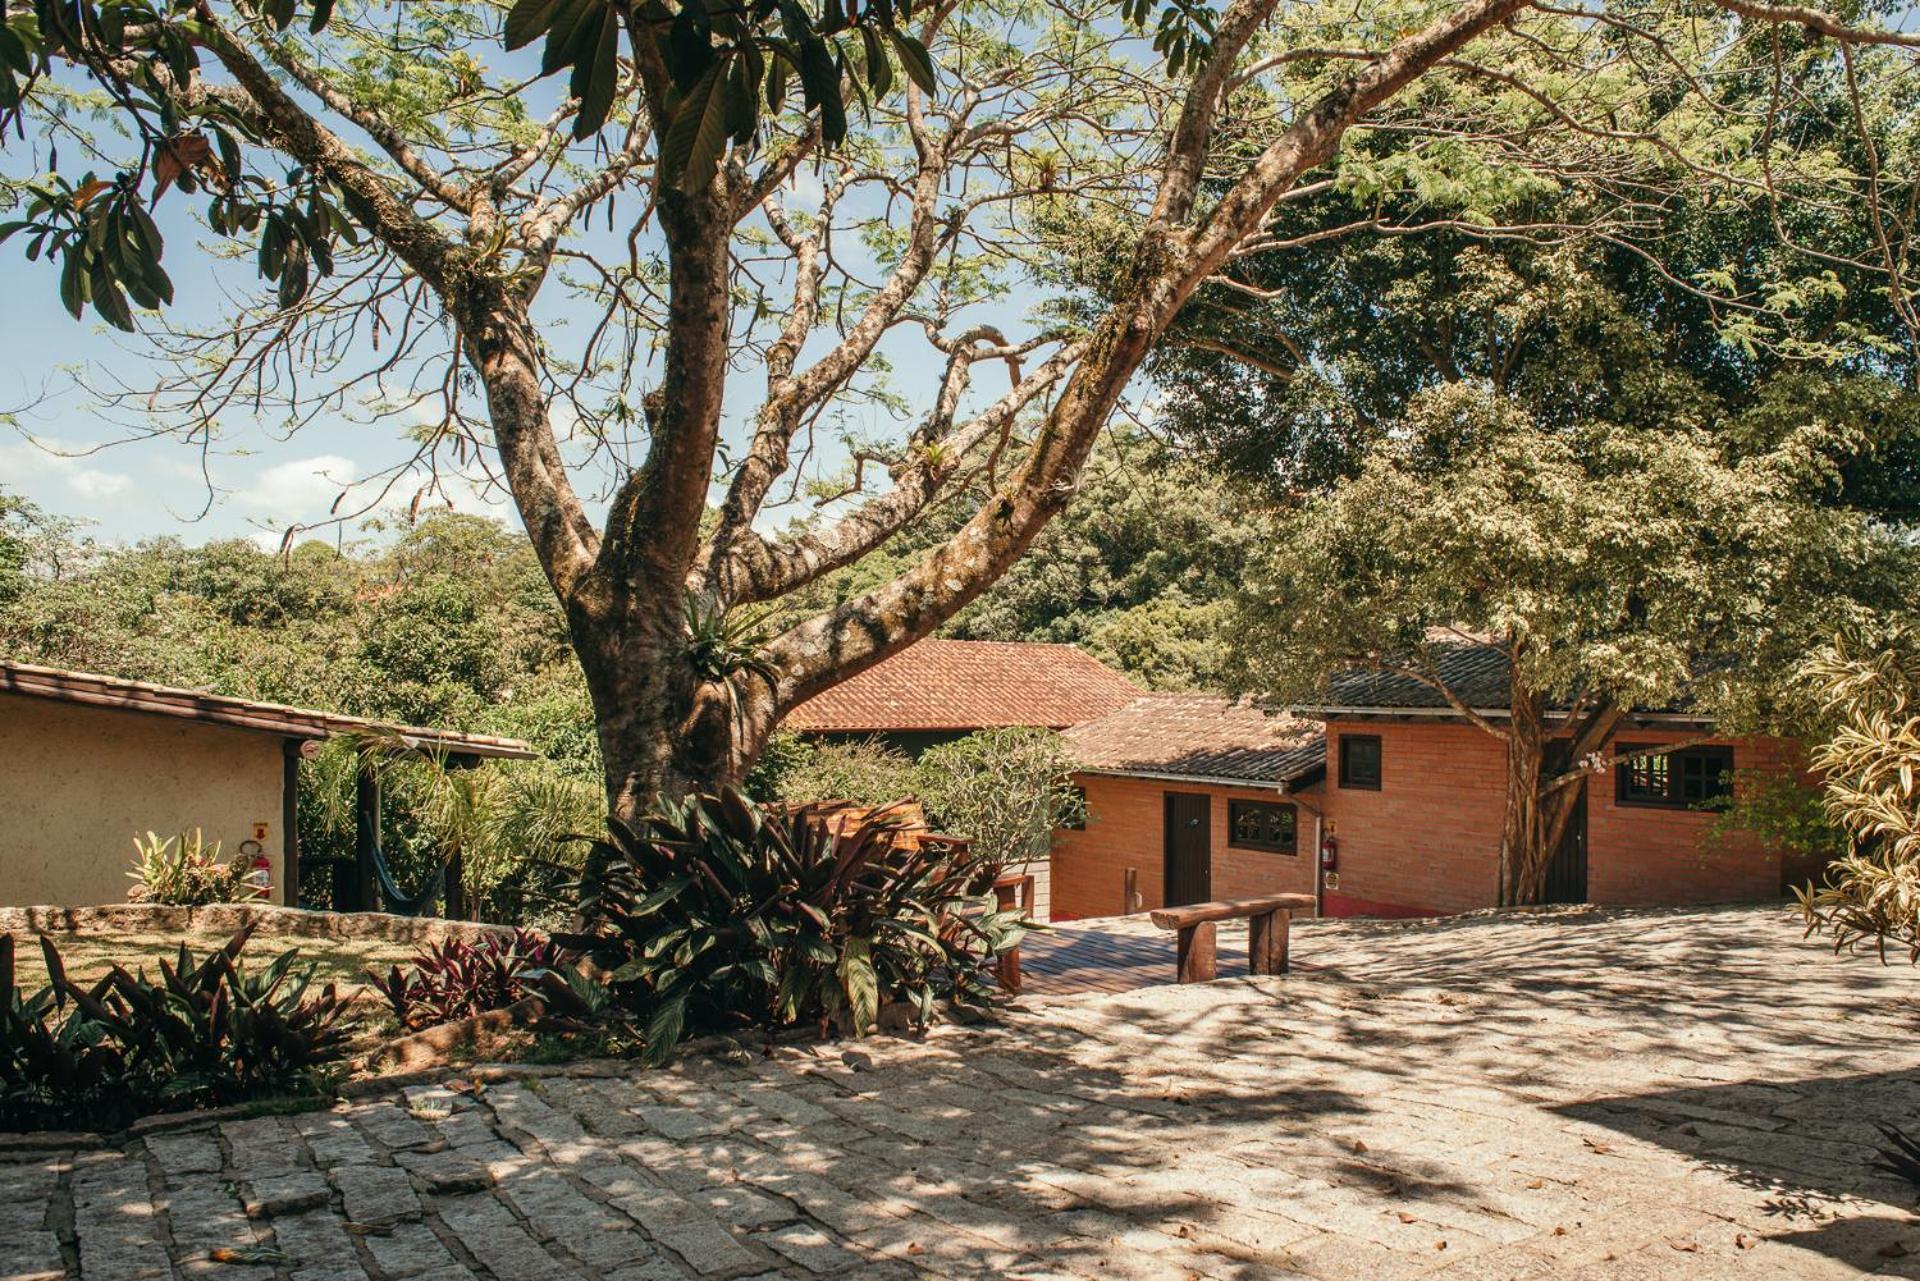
{"x": 1683, "y": 778}
{"x": 1260, "y": 826}
{"x": 1360, "y": 761}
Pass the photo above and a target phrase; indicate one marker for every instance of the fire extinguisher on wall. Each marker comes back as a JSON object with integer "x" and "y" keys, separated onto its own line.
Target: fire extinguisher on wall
{"x": 1329, "y": 853}
{"x": 259, "y": 876}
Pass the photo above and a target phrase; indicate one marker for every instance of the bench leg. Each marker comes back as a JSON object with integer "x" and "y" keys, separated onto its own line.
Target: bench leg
{"x": 1008, "y": 971}
{"x": 1267, "y": 942}
{"x": 1196, "y": 953}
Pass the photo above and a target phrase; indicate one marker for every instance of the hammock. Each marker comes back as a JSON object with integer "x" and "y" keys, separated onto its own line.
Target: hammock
{"x": 398, "y": 902}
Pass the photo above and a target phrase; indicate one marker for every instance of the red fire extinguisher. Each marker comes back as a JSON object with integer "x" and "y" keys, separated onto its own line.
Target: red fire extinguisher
{"x": 259, "y": 870}
{"x": 1329, "y": 853}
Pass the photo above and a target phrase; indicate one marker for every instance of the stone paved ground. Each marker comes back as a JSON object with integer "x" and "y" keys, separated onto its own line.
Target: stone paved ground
{"x": 1654, "y": 1095}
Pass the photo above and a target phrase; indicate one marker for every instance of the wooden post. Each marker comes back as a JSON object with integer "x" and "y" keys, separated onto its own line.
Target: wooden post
{"x": 290, "y": 822}
{"x": 1196, "y": 953}
{"x": 1131, "y": 904}
{"x": 456, "y": 909}
{"x": 1011, "y": 890}
{"x": 1267, "y": 942}
{"x": 359, "y": 883}
{"x": 1007, "y": 970}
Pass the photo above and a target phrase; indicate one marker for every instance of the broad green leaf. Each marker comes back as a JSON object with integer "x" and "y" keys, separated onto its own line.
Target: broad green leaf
{"x": 528, "y": 20}
{"x": 916, "y": 60}
{"x": 860, "y": 983}
{"x": 596, "y": 76}
{"x": 691, "y": 152}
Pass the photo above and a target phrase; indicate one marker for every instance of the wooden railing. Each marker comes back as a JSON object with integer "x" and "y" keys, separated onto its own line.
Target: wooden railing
{"x": 1268, "y": 925}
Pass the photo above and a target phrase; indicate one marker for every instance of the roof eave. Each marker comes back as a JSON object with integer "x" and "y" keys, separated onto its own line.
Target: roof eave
{"x": 296, "y": 724}
{"x": 1676, "y": 720}
{"x": 1292, "y": 783}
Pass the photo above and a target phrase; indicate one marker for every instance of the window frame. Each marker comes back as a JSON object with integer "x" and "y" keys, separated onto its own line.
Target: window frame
{"x": 1235, "y": 804}
{"x": 1625, "y": 794}
{"x": 1379, "y": 763}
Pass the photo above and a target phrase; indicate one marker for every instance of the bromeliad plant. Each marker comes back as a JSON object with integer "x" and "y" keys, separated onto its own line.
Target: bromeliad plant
{"x": 207, "y": 1032}
{"x": 716, "y": 914}
{"x": 185, "y": 871}
{"x": 457, "y": 978}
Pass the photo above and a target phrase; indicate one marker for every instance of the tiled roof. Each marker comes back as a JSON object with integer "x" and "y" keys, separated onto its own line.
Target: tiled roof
{"x": 89, "y": 689}
{"x": 1201, "y": 736}
{"x": 967, "y": 685}
{"x": 1476, "y": 673}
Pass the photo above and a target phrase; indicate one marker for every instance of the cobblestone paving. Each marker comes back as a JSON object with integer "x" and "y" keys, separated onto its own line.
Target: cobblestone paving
{"x": 1651, "y": 1095}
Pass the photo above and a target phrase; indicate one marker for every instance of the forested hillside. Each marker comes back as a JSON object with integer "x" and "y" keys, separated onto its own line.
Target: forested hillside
{"x": 450, "y": 622}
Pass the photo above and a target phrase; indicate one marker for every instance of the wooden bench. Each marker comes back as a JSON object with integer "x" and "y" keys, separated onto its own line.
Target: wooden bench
{"x": 1267, "y": 918}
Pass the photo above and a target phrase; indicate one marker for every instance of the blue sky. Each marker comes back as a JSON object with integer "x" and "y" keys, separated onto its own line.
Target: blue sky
{"x": 127, "y": 491}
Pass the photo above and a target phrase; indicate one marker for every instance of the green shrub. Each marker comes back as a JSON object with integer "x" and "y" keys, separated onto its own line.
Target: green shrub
{"x": 206, "y": 1032}
{"x": 184, "y": 871}
{"x": 1007, "y": 790}
{"x": 457, "y": 978}
{"x": 717, "y": 915}
{"x": 1870, "y": 765}
{"x": 864, "y": 771}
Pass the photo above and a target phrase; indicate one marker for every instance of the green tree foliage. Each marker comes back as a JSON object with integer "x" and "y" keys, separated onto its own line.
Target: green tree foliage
{"x": 864, "y": 771}
{"x": 1869, "y": 766}
{"x": 446, "y": 623}
{"x": 1008, "y": 790}
{"x": 1616, "y": 567}
{"x": 1138, "y": 572}
{"x": 1751, "y": 298}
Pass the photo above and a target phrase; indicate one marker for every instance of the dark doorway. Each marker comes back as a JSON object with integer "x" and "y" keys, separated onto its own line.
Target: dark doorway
{"x": 1189, "y": 829}
{"x": 1567, "y": 870}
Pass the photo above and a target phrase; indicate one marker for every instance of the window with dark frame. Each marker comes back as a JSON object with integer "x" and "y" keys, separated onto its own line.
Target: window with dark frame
{"x": 1360, "y": 761}
{"x": 1263, "y": 825}
{"x": 1684, "y": 779}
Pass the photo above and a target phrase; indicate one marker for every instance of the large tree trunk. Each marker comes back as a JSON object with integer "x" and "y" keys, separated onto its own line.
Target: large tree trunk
{"x": 663, "y": 729}
{"x": 1537, "y": 811}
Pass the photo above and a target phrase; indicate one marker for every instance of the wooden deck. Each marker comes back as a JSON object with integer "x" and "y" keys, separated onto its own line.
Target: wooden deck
{"x": 1115, "y": 954}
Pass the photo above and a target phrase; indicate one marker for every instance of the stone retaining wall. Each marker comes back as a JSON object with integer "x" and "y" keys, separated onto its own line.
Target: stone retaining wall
{"x": 224, "y": 918}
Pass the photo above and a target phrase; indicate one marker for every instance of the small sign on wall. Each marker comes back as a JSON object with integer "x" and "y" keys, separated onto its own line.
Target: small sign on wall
{"x": 260, "y": 831}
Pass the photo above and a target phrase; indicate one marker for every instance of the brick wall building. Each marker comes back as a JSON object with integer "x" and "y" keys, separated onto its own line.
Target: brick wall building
{"x": 1214, "y": 795}
{"x": 1427, "y": 839}
{"x": 1412, "y": 796}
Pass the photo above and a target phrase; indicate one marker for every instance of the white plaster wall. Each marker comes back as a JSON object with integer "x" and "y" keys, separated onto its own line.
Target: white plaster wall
{"x": 77, "y": 784}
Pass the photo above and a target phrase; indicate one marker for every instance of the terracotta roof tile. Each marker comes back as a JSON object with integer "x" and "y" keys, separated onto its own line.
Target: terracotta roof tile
{"x": 967, "y": 685}
{"x": 1202, "y": 736}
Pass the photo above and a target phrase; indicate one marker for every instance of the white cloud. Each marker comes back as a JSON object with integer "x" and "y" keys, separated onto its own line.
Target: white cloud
{"x": 28, "y": 467}
{"x": 300, "y": 489}
{"x": 91, "y": 482}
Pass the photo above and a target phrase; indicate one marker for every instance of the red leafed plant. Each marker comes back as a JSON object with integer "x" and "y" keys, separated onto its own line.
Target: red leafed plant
{"x": 458, "y": 978}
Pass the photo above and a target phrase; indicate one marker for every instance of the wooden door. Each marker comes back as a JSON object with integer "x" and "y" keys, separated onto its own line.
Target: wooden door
{"x": 1189, "y": 848}
{"x": 1567, "y": 869}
